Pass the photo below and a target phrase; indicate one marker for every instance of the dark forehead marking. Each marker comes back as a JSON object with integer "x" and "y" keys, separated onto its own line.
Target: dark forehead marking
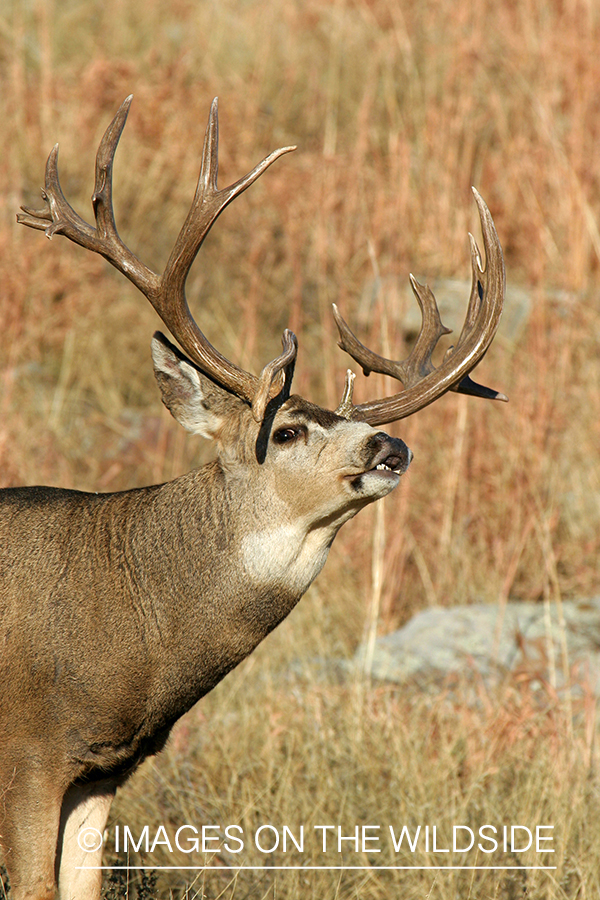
{"x": 299, "y": 408}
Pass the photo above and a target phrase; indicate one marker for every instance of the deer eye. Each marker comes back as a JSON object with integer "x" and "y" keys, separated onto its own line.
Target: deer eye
{"x": 289, "y": 434}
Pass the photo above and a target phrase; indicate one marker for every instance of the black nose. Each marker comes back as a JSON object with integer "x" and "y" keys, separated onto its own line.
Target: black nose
{"x": 392, "y": 452}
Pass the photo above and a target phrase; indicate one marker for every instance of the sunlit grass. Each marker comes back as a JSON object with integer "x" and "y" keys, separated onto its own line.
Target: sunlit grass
{"x": 397, "y": 108}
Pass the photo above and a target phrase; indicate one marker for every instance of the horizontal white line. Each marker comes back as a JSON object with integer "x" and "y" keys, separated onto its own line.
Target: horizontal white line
{"x": 308, "y": 868}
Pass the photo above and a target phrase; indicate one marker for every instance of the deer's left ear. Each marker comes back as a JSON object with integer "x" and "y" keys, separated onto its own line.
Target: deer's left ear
{"x": 197, "y": 403}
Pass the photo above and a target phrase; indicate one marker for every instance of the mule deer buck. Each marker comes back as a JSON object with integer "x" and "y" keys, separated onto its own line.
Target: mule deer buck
{"x": 119, "y": 611}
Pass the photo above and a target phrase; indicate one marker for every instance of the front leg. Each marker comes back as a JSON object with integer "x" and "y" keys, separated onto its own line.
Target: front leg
{"x": 83, "y": 819}
{"x": 30, "y": 801}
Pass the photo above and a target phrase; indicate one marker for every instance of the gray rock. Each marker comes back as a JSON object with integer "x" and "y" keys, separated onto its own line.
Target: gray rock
{"x": 491, "y": 641}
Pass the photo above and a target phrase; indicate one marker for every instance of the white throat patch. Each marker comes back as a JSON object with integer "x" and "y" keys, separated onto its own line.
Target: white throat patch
{"x": 285, "y": 555}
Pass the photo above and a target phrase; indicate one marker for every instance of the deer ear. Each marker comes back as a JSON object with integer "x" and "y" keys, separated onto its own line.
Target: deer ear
{"x": 197, "y": 403}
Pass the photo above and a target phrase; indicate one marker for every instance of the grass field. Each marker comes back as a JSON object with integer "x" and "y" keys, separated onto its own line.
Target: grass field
{"x": 396, "y": 108}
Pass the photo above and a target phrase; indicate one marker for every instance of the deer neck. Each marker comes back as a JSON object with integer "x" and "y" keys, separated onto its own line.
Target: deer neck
{"x": 234, "y": 544}
{"x": 219, "y": 576}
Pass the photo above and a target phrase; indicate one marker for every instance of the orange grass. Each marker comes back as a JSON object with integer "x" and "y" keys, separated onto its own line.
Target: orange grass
{"x": 397, "y": 108}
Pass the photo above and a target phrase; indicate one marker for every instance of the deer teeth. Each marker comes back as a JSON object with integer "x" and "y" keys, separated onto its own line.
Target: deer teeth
{"x": 382, "y": 467}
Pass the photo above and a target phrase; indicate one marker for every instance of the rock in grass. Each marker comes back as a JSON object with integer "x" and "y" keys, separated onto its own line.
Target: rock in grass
{"x": 493, "y": 641}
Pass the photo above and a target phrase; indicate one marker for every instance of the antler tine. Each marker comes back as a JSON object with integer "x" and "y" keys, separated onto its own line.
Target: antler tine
{"x": 63, "y": 219}
{"x": 284, "y": 363}
{"x": 166, "y": 293}
{"x": 423, "y": 383}
{"x": 171, "y": 304}
{"x": 419, "y": 362}
{"x": 209, "y": 201}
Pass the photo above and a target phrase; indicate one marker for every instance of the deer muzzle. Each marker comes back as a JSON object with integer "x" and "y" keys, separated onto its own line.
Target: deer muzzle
{"x": 390, "y": 454}
{"x": 385, "y": 460}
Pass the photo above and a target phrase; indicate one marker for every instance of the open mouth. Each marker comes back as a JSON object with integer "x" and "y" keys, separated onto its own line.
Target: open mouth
{"x": 394, "y": 463}
{"x": 391, "y": 460}
{"x": 388, "y": 466}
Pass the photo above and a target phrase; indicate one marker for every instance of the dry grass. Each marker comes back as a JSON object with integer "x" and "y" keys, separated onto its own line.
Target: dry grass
{"x": 297, "y": 752}
{"x": 397, "y": 107}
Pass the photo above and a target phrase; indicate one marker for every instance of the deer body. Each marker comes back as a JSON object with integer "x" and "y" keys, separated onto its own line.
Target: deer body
{"x": 119, "y": 611}
{"x": 163, "y": 589}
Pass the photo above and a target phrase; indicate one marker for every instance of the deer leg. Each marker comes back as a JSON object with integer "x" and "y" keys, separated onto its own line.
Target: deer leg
{"x": 83, "y": 819}
{"x": 30, "y": 802}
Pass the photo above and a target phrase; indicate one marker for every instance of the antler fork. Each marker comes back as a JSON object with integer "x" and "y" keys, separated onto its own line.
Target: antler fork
{"x": 423, "y": 383}
{"x": 166, "y": 293}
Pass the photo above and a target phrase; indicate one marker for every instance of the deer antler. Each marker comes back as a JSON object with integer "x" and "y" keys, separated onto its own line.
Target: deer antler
{"x": 166, "y": 293}
{"x": 423, "y": 383}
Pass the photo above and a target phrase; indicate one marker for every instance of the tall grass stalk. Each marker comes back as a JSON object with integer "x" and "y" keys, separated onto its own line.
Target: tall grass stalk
{"x": 397, "y": 108}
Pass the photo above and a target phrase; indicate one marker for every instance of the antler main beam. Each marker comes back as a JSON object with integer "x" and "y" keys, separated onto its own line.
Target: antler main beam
{"x": 166, "y": 293}
{"x": 423, "y": 383}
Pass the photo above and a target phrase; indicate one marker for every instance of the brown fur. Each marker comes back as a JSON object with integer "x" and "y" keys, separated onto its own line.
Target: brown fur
{"x": 119, "y": 611}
